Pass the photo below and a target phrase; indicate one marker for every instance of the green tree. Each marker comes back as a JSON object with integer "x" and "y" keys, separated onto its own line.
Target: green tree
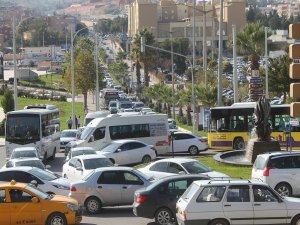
{"x": 207, "y": 96}
{"x": 7, "y": 101}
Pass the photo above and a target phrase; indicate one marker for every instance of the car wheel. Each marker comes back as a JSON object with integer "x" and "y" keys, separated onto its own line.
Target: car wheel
{"x": 296, "y": 220}
{"x": 92, "y": 205}
{"x": 146, "y": 159}
{"x": 239, "y": 144}
{"x": 163, "y": 216}
{"x": 56, "y": 219}
{"x": 284, "y": 189}
{"x": 219, "y": 222}
{"x": 193, "y": 150}
{"x": 53, "y": 155}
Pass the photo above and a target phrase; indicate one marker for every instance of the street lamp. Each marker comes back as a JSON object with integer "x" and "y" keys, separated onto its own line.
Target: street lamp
{"x": 172, "y": 69}
{"x": 15, "y": 67}
{"x": 220, "y": 57}
{"x": 193, "y": 66}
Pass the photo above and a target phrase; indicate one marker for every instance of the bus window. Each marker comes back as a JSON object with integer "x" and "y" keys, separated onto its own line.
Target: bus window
{"x": 99, "y": 133}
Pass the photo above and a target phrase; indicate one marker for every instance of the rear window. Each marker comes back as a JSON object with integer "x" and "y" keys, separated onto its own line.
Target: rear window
{"x": 260, "y": 163}
{"x": 189, "y": 193}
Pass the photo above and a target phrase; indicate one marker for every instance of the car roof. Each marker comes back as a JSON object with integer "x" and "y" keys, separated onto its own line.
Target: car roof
{"x": 184, "y": 176}
{"x": 279, "y": 153}
{"x": 25, "y": 149}
{"x": 176, "y": 160}
{"x": 90, "y": 156}
{"x": 19, "y": 168}
{"x": 229, "y": 182}
{"x": 183, "y": 132}
{"x": 122, "y": 141}
{"x": 70, "y": 130}
{"x": 25, "y": 159}
{"x": 12, "y": 184}
{"x": 115, "y": 168}
{"x": 82, "y": 148}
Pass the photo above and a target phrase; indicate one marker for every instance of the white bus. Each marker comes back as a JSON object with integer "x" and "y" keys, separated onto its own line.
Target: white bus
{"x": 151, "y": 129}
{"x": 37, "y": 126}
{"x": 93, "y": 115}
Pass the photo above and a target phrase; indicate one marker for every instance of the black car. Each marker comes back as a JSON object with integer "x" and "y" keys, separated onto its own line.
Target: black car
{"x": 159, "y": 199}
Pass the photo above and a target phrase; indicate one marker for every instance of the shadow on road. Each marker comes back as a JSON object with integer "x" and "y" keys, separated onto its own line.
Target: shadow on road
{"x": 112, "y": 212}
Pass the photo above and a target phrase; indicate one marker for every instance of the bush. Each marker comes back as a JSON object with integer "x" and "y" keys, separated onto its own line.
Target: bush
{"x": 7, "y": 101}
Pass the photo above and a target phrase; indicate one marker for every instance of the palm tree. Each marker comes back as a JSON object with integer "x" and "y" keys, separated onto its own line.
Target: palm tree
{"x": 206, "y": 95}
{"x": 182, "y": 100}
{"x": 251, "y": 41}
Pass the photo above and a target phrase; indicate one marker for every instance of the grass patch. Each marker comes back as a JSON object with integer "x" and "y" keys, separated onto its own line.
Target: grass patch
{"x": 231, "y": 170}
{"x": 190, "y": 128}
{"x": 49, "y": 81}
{"x": 65, "y": 108}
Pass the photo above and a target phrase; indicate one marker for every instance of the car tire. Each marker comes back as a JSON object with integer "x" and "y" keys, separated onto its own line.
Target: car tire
{"x": 146, "y": 159}
{"x": 163, "y": 216}
{"x": 92, "y": 205}
{"x": 239, "y": 144}
{"x": 296, "y": 220}
{"x": 56, "y": 219}
{"x": 284, "y": 189}
{"x": 193, "y": 150}
{"x": 218, "y": 222}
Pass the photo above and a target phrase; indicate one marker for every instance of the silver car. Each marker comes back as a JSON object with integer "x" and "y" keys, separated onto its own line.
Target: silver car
{"x": 108, "y": 186}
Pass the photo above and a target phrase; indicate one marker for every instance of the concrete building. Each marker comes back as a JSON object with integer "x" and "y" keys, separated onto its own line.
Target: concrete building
{"x": 167, "y": 16}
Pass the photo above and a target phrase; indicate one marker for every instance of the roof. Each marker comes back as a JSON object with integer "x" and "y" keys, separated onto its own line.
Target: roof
{"x": 81, "y": 148}
{"x": 114, "y": 168}
{"x": 90, "y": 156}
{"x": 25, "y": 149}
{"x": 176, "y": 160}
{"x": 25, "y": 159}
{"x": 280, "y": 153}
{"x": 122, "y": 141}
{"x": 10, "y": 184}
{"x": 229, "y": 182}
{"x": 70, "y": 130}
{"x": 21, "y": 168}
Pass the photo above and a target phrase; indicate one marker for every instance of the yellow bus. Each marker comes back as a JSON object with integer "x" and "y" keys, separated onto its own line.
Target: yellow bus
{"x": 230, "y": 127}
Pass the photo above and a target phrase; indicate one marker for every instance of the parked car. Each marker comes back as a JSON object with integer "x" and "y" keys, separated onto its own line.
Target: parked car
{"x": 137, "y": 106}
{"x": 32, "y": 162}
{"x": 281, "y": 170}
{"x": 128, "y": 152}
{"x": 47, "y": 181}
{"x": 159, "y": 199}
{"x": 66, "y": 136}
{"x": 108, "y": 186}
{"x": 188, "y": 142}
{"x": 24, "y": 152}
{"x": 235, "y": 202}
{"x": 171, "y": 166}
{"x": 80, "y": 166}
{"x": 80, "y": 151}
{"x": 172, "y": 124}
{"x": 25, "y": 204}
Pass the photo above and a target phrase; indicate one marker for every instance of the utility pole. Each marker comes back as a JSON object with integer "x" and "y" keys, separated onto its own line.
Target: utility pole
{"x": 204, "y": 45}
{"x": 97, "y": 72}
{"x": 172, "y": 69}
{"x": 220, "y": 58}
{"x": 15, "y": 66}
{"x": 235, "y": 82}
{"x": 266, "y": 63}
{"x": 193, "y": 66}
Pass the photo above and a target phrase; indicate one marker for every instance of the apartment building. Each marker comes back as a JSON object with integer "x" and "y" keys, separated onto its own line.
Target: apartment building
{"x": 166, "y": 16}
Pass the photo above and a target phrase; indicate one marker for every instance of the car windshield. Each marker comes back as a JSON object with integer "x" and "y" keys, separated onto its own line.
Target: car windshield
{"x": 23, "y": 154}
{"x": 38, "y": 192}
{"x": 83, "y": 152}
{"x": 139, "y": 104}
{"x": 68, "y": 134}
{"x": 125, "y": 105}
{"x": 86, "y": 133}
{"x": 195, "y": 167}
{"x": 110, "y": 148}
{"x": 43, "y": 174}
{"x": 91, "y": 164}
{"x": 113, "y": 104}
{"x": 32, "y": 163}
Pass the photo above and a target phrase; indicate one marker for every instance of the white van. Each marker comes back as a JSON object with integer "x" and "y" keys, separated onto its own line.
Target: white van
{"x": 151, "y": 129}
{"x": 93, "y": 115}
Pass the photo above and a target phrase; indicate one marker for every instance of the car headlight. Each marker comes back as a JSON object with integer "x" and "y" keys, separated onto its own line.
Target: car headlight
{"x": 61, "y": 187}
{"x": 72, "y": 207}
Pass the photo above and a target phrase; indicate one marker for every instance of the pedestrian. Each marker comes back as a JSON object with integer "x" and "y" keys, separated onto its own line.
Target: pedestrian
{"x": 78, "y": 122}
{"x": 69, "y": 122}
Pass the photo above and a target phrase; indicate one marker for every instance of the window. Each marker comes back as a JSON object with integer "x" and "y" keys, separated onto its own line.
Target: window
{"x": 177, "y": 187}
{"x": 263, "y": 194}
{"x": 99, "y": 133}
{"x": 175, "y": 168}
{"x": 135, "y": 145}
{"x": 296, "y": 161}
{"x": 238, "y": 194}
{"x": 161, "y": 167}
{"x": 129, "y": 131}
{"x": 7, "y": 176}
{"x": 130, "y": 178}
{"x": 18, "y": 196}
{"x": 183, "y": 136}
{"x": 2, "y": 196}
{"x": 109, "y": 177}
{"x": 281, "y": 162}
{"x": 211, "y": 194}
{"x": 72, "y": 162}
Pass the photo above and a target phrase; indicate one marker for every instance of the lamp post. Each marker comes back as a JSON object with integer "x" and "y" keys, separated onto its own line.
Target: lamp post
{"x": 266, "y": 63}
{"x": 172, "y": 69}
{"x": 97, "y": 73}
{"x": 193, "y": 66}
{"x": 15, "y": 67}
{"x": 204, "y": 45}
{"x": 220, "y": 57}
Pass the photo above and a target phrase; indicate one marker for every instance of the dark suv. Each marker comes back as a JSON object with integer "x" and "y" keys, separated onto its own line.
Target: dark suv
{"x": 159, "y": 199}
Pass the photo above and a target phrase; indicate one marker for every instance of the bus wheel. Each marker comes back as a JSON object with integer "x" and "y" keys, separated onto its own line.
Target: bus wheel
{"x": 238, "y": 144}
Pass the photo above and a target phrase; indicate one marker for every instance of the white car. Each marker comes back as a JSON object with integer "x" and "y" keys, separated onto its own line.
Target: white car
{"x": 66, "y": 136}
{"x": 145, "y": 109}
{"x": 78, "y": 167}
{"x": 188, "y": 142}
{"x": 128, "y": 152}
{"x": 227, "y": 202}
{"x": 172, "y": 166}
{"x": 24, "y": 152}
{"x": 280, "y": 170}
{"x": 31, "y": 162}
{"x": 47, "y": 181}
{"x": 80, "y": 151}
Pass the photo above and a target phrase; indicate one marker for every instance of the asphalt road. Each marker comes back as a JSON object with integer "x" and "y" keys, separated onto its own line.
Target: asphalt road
{"x": 108, "y": 216}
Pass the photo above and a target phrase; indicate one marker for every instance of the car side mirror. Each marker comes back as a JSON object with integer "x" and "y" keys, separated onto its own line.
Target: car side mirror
{"x": 92, "y": 139}
{"x": 118, "y": 150}
{"x": 79, "y": 168}
{"x": 34, "y": 183}
{"x": 47, "y": 166}
{"x": 182, "y": 173}
{"x": 35, "y": 200}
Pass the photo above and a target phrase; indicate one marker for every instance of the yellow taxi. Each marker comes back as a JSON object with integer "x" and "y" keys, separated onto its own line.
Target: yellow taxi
{"x": 25, "y": 204}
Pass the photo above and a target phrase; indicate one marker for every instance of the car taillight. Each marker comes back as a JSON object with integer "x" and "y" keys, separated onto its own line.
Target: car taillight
{"x": 266, "y": 171}
{"x": 183, "y": 213}
{"x": 203, "y": 140}
{"x": 140, "y": 198}
{"x": 73, "y": 188}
